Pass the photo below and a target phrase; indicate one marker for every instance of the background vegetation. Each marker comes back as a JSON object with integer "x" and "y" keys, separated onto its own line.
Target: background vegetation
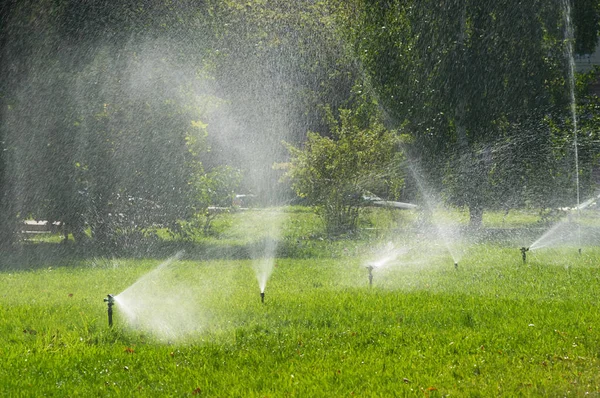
{"x": 118, "y": 120}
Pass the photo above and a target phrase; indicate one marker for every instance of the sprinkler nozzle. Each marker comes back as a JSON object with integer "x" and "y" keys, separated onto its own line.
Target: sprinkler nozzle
{"x": 524, "y": 251}
{"x": 262, "y": 297}
{"x": 110, "y": 300}
{"x": 455, "y": 265}
{"x": 370, "y": 268}
{"x": 579, "y": 251}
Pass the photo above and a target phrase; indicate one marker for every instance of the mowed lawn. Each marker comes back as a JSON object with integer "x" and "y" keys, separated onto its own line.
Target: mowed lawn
{"x": 492, "y": 327}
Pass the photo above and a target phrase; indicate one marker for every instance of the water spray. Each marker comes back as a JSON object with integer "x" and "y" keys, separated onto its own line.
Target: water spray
{"x": 370, "y": 268}
{"x": 110, "y": 300}
{"x": 524, "y": 251}
{"x": 262, "y": 297}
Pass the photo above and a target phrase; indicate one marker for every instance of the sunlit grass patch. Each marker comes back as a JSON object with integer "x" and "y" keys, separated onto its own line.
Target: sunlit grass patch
{"x": 494, "y": 324}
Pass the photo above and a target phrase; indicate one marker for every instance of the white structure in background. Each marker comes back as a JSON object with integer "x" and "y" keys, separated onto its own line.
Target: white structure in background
{"x": 378, "y": 202}
{"x": 586, "y": 62}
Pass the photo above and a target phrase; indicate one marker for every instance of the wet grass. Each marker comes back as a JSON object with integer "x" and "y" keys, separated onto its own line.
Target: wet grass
{"x": 300, "y": 234}
{"x": 493, "y": 327}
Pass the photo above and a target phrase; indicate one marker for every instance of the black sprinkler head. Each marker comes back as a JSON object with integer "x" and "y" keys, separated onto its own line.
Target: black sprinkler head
{"x": 370, "y": 268}
{"x": 110, "y": 300}
{"x": 455, "y": 265}
{"x": 524, "y": 251}
{"x": 262, "y": 297}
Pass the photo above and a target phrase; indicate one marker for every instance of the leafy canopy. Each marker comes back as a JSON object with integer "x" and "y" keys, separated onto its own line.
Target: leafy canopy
{"x": 334, "y": 173}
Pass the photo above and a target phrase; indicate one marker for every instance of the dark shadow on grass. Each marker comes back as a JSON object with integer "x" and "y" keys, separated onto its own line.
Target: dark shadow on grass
{"x": 39, "y": 255}
{"x": 584, "y": 235}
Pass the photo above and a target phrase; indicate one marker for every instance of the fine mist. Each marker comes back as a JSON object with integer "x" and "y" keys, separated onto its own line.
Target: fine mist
{"x": 163, "y": 305}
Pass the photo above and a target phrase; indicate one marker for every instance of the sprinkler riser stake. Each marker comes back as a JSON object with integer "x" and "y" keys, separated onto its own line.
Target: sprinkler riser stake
{"x": 370, "y": 268}
{"x": 524, "y": 251}
{"x": 110, "y": 300}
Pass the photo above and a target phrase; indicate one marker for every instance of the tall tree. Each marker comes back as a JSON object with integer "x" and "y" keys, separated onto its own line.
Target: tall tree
{"x": 7, "y": 77}
{"x": 277, "y": 65}
{"x": 586, "y": 20}
{"x": 457, "y": 74}
{"x": 103, "y": 115}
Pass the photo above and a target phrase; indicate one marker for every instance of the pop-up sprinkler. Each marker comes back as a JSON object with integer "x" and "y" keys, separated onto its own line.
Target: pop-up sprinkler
{"x": 524, "y": 251}
{"x": 262, "y": 297}
{"x": 455, "y": 265}
{"x": 110, "y": 300}
{"x": 370, "y": 268}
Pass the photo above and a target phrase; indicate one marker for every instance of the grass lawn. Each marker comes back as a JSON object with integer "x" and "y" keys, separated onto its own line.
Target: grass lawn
{"x": 492, "y": 327}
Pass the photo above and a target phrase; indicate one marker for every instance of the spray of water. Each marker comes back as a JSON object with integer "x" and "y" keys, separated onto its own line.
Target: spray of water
{"x": 588, "y": 203}
{"x": 566, "y": 232}
{"x": 161, "y": 305}
{"x": 386, "y": 256}
{"x": 266, "y": 228}
{"x": 263, "y": 266}
{"x": 449, "y": 234}
{"x": 561, "y": 233}
{"x": 569, "y": 36}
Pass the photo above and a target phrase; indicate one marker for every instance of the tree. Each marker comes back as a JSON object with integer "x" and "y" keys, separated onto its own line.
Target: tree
{"x": 334, "y": 173}
{"x": 277, "y": 65}
{"x": 461, "y": 76}
{"x": 586, "y": 20}
{"x": 103, "y": 116}
{"x": 9, "y": 74}
{"x": 216, "y": 190}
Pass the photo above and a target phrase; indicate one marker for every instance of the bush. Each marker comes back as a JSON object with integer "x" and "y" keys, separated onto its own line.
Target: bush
{"x": 335, "y": 173}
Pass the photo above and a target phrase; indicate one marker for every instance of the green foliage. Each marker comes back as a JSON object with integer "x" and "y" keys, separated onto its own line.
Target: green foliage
{"x": 215, "y": 192}
{"x": 586, "y": 20}
{"x": 278, "y": 64}
{"x": 588, "y": 124}
{"x": 108, "y": 112}
{"x": 473, "y": 83}
{"x": 217, "y": 188}
{"x": 334, "y": 173}
{"x": 117, "y": 135}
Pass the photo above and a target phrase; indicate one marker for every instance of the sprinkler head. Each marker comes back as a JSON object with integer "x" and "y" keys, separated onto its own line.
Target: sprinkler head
{"x": 455, "y": 265}
{"x": 370, "y": 268}
{"x": 579, "y": 251}
{"x": 524, "y": 251}
{"x": 110, "y": 300}
{"x": 262, "y": 297}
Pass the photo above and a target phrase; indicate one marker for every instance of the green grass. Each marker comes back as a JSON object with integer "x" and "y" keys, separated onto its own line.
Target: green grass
{"x": 492, "y": 327}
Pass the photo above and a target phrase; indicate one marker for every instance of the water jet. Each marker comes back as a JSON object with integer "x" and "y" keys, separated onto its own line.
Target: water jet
{"x": 110, "y": 300}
